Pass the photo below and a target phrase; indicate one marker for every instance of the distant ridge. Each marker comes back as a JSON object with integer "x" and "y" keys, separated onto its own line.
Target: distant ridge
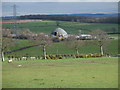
{"x": 97, "y": 15}
{"x": 92, "y": 14}
{"x": 77, "y": 14}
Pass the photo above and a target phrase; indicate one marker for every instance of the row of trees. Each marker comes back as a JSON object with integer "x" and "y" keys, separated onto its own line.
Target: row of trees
{"x": 44, "y": 41}
{"x": 84, "y": 19}
{"x": 101, "y": 40}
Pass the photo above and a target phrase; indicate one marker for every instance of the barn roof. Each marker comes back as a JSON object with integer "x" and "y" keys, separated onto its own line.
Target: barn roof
{"x": 60, "y": 31}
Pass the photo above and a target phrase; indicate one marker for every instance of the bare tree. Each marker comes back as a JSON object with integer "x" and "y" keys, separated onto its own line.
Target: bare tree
{"x": 101, "y": 39}
{"x": 43, "y": 40}
{"x": 25, "y": 33}
{"x": 74, "y": 43}
{"x": 7, "y": 42}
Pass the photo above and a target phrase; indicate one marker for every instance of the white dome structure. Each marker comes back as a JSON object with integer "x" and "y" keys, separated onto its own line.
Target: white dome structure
{"x": 59, "y": 32}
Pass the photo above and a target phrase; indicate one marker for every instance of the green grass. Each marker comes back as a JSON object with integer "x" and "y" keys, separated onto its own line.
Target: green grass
{"x": 64, "y": 73}
{"x": 71, "y": 27}
{"x": 61, "y": 48}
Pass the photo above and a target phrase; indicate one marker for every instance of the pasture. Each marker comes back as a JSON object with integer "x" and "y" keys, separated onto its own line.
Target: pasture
{"x": 61, "y": 48}
{"x": 62, "y": 73}
{"x": 70, "y": 27}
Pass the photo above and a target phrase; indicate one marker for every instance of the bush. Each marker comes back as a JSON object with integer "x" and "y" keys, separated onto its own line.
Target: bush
{"x": 48, "y": 57}
{"x": 60, "y": 57}
{"x": 97, "y": 55}
{"x": 53, "y": 57}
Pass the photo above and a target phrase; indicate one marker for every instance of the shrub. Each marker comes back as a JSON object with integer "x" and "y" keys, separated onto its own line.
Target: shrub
{"x": 53, "y": 57}
{"x": 60, "y": 57}
{"x": 48, "y": 57}
{"x": 97, "y": 55}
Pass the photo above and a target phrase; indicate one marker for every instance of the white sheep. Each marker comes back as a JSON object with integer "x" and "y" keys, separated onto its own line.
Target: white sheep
{"x": 10, "y": 60}
{"x": 86, "y": 56}
{"x": 19, "y": 65}
{"x": 92, "y": 55}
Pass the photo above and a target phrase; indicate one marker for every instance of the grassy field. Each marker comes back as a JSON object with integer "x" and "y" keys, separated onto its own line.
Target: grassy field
{"x": 64, "y": 73}
{"x": 61, "y": 48}
{"x": 70, "y": 27}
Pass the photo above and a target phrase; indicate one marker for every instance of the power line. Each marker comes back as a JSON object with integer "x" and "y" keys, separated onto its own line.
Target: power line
{"x": 14, "y": 19}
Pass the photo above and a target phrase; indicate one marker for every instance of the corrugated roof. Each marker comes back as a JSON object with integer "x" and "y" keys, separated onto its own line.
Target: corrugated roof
{"x": 60, "y": 31}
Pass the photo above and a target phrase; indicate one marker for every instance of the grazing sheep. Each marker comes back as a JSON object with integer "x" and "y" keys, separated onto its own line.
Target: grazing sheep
{"x": 10, "y": 60}
{"x": 86, "y": 56}
{"x": 92, "y": 55}
{"x": 19, "y": 65}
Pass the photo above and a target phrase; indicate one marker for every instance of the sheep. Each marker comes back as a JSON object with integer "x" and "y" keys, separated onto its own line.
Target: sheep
{"x": 10, "y": 60}
{"x": 86, "y": 56}
{"x": 19, "y": 65}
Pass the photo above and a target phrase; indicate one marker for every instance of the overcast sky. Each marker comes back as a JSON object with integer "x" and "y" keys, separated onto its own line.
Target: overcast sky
{"x": 24, "y": 8}
{"x": 60, "y": 0}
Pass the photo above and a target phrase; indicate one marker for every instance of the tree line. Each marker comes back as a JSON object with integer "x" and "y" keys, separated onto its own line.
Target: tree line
{"x": 72, "y": 18}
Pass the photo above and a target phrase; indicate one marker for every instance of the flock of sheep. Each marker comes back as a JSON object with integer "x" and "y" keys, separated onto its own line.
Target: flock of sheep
{"x": 10, "y": 59}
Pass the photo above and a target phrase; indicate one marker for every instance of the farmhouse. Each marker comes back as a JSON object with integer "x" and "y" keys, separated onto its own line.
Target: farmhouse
{"x": 59, "y": 34}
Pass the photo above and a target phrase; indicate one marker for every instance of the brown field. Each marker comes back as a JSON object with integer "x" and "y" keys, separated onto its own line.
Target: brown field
{"x": 18, "y": 21}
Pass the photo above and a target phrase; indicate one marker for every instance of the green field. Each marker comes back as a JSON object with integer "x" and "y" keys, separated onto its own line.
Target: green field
{"x": 70, "y": 27}
{"x": 99, "y": 72}
{"x": 61, "y": 48}
{"x": 64, "y": 73}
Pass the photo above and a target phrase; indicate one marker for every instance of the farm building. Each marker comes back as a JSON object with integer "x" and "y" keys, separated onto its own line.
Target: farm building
{"x": 59, "y": 34}
{"x": 84, "y": 37}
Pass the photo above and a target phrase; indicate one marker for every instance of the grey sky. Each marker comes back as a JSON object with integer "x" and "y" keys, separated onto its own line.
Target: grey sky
{"x": 59, "y": 7}
{"x": 60, "y": 0}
